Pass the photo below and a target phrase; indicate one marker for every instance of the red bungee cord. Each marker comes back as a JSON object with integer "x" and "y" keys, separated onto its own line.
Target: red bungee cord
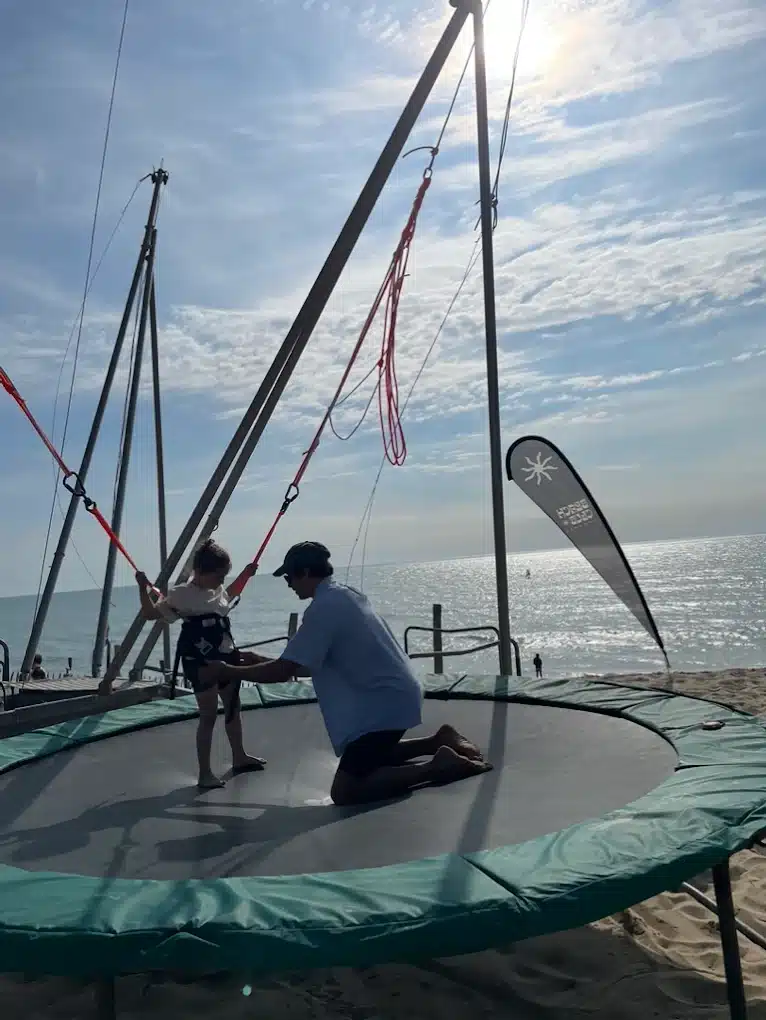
{"x": 71, "y": 480}
{"x": 394, "y": 442}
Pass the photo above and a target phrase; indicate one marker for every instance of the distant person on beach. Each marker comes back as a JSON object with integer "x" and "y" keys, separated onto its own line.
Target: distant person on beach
{"x": 37, "y": 672}
{"x": 537, "y": 662}
{"x": 203, "y": 604}
{"x": 367, "y": 692}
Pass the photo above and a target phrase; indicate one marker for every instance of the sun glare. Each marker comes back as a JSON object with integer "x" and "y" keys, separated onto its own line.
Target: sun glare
{"x": 539, "y": 44}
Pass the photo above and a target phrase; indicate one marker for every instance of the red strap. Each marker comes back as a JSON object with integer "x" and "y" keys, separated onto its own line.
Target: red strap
{"x": 70, "y": 481}
{"x": 7, "y": 384}
{"x": 393, "y": 436}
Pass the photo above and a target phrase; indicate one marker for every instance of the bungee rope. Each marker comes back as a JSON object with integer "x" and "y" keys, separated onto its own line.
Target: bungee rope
{"x": 394, "y": 443}
{"x": 364, "y": 524}
{"x": 70, "y": 480}
{"x": 387, "y": 387}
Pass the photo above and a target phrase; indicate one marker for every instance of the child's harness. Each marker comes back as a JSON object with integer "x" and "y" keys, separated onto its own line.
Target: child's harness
{"x": 200, "y": 636}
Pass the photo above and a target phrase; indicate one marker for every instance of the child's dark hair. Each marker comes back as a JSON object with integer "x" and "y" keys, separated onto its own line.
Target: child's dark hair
{"x": 211, "y": 557}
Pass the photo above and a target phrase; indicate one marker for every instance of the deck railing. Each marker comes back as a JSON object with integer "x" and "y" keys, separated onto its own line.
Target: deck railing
{"x": 292, "y": 626}
{"x": 437, "y": 652}
{"x": 5, "y": 670}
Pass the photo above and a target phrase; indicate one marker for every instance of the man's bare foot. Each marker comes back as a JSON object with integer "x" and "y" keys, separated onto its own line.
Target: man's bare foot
{"x": 449, "y": 766}
{"x": 448, "y": 736}
{"x": 248, "y": 764}
{"x": 210, "y": 782}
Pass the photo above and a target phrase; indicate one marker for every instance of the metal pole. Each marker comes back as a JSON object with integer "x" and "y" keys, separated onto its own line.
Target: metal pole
{"x": 301, "y": 330}
{"x": 516, "y": 656}
{"x": 735, "y": 988}
{"x": 160, "y": 454}
{"x": 436, "y": 618}
{"x": 122, "y": 481}
{"x": 705, "y": 901}
{"x": 66, "y": 529}
{"x": 493, "y": 394}
{"x": 159, "y": 178}
{"x": 5, "y": 662}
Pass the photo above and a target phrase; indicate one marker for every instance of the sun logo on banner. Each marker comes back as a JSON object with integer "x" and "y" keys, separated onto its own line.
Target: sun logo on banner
{"x": 539, "y": 469}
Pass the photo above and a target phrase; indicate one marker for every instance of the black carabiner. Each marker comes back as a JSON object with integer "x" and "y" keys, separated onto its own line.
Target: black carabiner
{"x": 290, "y": 496}
{"x": 78, "y": 489}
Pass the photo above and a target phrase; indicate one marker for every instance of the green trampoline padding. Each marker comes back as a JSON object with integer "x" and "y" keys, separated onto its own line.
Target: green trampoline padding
{"x": 709, "y": 808}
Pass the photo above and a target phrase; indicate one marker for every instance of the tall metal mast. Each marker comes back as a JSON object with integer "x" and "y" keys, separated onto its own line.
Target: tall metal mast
{"x": 160, "y": 455}
{"x": 490, "y": 322}
{"x": 158, "y": 178}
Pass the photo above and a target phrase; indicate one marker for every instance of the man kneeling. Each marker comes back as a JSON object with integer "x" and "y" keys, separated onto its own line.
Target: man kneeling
{"x": 367, "y": 692}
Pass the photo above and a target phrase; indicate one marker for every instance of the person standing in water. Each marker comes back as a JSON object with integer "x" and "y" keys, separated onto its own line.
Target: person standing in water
{"x": 537, "y": 662}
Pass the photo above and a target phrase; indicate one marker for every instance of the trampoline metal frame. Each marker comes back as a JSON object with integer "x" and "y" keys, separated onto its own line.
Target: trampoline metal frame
{"x": 727, "y": 925}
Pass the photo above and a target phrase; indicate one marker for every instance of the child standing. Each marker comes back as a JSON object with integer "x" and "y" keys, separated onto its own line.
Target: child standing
{"x": 203, "y": 604}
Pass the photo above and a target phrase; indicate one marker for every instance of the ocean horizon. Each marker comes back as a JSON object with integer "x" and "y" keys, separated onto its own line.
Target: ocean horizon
{"x": 708, "y": 598}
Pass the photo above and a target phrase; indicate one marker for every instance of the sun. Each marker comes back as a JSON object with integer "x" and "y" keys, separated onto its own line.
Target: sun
{"x": 540, "y": 42}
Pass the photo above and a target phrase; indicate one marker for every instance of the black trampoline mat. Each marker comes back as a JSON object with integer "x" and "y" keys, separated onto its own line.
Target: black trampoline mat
{"x": 128, "y": 806}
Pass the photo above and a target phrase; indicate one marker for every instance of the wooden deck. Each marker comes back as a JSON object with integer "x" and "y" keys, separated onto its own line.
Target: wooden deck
{"x": 79, "y": 684}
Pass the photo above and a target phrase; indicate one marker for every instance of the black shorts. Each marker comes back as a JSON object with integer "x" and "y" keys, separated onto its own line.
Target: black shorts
{"x": 191, "y": 667}
{"x": 366, "y": 754}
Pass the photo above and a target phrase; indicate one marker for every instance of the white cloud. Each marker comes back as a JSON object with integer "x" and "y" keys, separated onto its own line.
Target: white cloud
{"x": 628, "y": 258}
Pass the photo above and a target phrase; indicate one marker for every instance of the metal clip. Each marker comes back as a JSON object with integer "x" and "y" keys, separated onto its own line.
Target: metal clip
{"x": 78, "y": 489}
{"x": 290, "y": 496}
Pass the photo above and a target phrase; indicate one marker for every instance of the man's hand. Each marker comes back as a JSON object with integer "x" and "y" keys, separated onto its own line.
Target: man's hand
{"x": 253, "y": 659}
{"x": 143, "y": 580}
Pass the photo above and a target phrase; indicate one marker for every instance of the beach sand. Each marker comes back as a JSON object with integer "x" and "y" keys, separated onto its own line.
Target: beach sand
{"x": 659, "y": 959}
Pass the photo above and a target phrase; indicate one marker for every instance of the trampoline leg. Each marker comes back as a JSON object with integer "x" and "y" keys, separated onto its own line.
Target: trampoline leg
{"x": 735, "y": 988}
{"x": 105, "y": 999}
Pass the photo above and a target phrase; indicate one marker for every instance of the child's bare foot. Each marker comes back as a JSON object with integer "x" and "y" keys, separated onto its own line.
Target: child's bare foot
{"x": 449, "y": 766}
{"x": 248, "y": 764}
{"x": 210, "y": 782}
{"x": 448, "y": 736}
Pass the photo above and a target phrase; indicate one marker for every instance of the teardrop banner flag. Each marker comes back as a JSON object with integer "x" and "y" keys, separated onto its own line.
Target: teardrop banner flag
{"x": 545, "y": 474}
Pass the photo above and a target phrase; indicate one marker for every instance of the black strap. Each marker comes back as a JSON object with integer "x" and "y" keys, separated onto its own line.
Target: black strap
{"x": 174, "y": 674}
{"x": 236, "y": 702}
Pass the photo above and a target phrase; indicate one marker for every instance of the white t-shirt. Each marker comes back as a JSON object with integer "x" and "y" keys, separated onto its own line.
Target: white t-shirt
{"x": 185, "y": 600}
{"x": 363, "y": 679}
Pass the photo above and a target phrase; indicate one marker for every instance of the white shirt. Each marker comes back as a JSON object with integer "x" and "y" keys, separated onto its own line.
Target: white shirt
{"x": 185, "y": 600}
{"x": 362, "y": 677}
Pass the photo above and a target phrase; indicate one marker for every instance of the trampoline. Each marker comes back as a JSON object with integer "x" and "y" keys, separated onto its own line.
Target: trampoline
{"x": 111, "y": 862}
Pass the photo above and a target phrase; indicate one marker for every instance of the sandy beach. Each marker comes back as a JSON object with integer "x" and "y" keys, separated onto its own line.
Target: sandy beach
{"x": 659, "y": 959}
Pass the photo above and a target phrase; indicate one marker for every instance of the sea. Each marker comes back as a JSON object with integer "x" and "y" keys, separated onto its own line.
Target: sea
{"x": 708, "y": 598}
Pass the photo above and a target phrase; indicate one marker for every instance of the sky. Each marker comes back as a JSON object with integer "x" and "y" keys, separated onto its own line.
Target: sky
{"x": 628, "y": 255}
